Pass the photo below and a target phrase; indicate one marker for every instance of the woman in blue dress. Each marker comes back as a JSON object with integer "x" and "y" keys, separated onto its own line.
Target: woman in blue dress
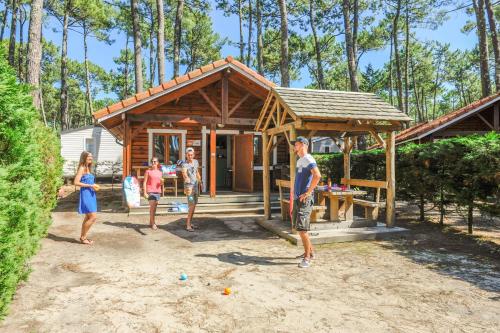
{"x": 88, "y": 202}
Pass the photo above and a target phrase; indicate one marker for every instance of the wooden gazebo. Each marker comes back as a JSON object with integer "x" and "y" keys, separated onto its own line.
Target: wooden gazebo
{"x": 289, "y": 112}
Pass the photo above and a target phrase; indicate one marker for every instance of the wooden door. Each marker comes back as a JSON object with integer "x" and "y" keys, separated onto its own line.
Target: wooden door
{"x": 243, "y": 163}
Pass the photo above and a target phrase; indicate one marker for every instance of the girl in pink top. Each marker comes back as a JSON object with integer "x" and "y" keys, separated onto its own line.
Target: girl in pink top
{"x": 152, "y": 189}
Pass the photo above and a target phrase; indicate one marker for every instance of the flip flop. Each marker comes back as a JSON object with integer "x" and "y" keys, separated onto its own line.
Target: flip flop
{"x": 190, "y": 229}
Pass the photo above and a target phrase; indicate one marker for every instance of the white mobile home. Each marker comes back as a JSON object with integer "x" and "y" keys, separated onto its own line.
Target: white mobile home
{"x": 324, "y": 145}
{"x": 97, "y": 140}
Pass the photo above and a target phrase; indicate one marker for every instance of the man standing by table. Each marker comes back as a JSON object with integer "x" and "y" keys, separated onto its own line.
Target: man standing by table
{"x": 306, "y": 179}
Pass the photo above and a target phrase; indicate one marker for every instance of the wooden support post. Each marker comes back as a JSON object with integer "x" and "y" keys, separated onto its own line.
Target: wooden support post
{"x": 293, "y": 156}
{"x": 347, "y": 159}
{"x": 390, "y": 152}
{"x": 225, "y": 99}
{"x": 124, "y": 153}
{"x": 266, "y": 177}
{"x": 127, "y": 148}
{"x": 212, "y": 161}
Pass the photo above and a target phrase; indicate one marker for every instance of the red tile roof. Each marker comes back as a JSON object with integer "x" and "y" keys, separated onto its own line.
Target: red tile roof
{"x": 116, "y": 107}
{"x": 422, "y": 128}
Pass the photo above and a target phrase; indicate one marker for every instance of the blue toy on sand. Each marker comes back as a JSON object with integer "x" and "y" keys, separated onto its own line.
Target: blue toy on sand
{"x": 183, "y": 277}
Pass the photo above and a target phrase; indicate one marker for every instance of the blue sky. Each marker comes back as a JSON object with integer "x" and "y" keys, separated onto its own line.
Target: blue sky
{"x": 102, "y": 54}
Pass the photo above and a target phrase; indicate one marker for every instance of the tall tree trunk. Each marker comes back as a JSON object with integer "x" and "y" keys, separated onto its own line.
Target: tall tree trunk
{"x": 260, "y": 43}
{"x": 349, "y": 45}
{"x": 250, "y": 21}
{"x": 284, "y": 64}
{"x": 88, "y": 94}
{"x": 42, "y": 107}
{"x": 152, "y": 49}
{"x": 494, "y": 41}
{"x": 415, "y": 92}
{"x": 355, "y": 25}
{"x": 395, "y": 33}
{"x": 139, "y": 86}
{"x": 390, "y": 72}
{"x": 160, "y": 39}
{"x": 421, "y": 207}
{"x": 63, "y": 114}
{"x": 317, "y": 46}
{"x": 436, "y": 85}
{"x": 34, "y": 57}
{"x": 470, "y": 215}
{"x": 12, "y": 40}
{"x": 4, "y": 20}
{"x": 126, "y": 93}
{"x": 240, "y": 19}
{"x": 442, "y": 210}
{"x": 178, "y": 35}
{"x": 407, "y": 57}
{"x": 483, "y": 47}
{"x": 21, "y": 64}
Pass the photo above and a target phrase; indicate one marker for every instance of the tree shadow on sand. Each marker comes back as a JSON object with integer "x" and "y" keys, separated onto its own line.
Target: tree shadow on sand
{"x": 56, "y": 238}
{"x": 450, "y": 253}
{"x": 240, "y": 259}
{"x": 127, "y": 225}
{"x": 214, "y": 229}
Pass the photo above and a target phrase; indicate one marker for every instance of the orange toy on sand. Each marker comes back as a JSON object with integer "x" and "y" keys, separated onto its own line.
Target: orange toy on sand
{"x": 227, "y": 291}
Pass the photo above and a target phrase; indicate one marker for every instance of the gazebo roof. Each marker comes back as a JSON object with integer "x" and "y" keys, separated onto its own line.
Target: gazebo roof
{"x": 328, "y": 104}
{"x": 327, "y": 110}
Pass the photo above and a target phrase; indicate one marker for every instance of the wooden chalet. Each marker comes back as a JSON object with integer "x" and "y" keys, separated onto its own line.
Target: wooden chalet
{"x": 213, "y": 109}
{"x": 289, "y": 112}
{"x": 480, "y": 117}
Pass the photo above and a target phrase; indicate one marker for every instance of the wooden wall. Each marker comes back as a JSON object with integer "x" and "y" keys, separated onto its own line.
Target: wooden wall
{"x": 140, "y": 140}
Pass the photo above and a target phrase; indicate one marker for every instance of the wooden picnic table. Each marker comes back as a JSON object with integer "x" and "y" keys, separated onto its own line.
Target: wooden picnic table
{"x": 139, "y": 168}
{"x": 348, "y": 206}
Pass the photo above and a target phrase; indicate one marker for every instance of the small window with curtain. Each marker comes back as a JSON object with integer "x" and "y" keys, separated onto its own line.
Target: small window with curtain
{"x": 90, "y": 145}
{"x": 167, "y": 148}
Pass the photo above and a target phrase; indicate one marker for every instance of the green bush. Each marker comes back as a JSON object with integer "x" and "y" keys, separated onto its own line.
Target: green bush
{"x": 463, "y": 171}
{"x": 30, "y": 174}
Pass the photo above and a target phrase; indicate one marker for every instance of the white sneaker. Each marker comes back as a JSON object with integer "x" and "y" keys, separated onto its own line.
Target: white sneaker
{"x": 305, "y": 263}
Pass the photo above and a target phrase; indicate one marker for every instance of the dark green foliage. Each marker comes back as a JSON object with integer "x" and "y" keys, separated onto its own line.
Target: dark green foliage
{"x": 30, "y": 174}
{"x": 461, "y": 171}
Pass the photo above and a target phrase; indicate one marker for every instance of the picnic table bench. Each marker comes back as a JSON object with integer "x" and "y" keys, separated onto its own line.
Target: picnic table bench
{"x": 371, "y": 207}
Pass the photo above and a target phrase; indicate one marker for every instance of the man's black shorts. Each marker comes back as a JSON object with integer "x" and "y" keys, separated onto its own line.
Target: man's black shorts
{"x": 301, "y": 213}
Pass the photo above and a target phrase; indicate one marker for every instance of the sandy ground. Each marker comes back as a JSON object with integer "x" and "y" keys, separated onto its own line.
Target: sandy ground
{"x": 128, "y": 281}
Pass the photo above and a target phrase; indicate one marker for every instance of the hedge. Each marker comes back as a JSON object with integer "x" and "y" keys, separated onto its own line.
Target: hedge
{"x": 462, "y": 171}
{"x": 30, "y": 174}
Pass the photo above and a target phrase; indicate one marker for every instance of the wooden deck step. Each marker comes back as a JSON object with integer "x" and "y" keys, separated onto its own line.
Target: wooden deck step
{"x": 249, "y": 210}
{"x": 206, "y": 199}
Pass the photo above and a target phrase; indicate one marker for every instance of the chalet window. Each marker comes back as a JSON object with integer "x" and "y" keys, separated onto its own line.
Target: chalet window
{"x": 90, "y": 145}
{"x": 166, "y": 147}
{"x": 257, "y": 150}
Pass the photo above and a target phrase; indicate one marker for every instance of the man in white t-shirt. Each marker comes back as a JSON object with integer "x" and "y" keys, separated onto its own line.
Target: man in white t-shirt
{"x": 306, "y": 179}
